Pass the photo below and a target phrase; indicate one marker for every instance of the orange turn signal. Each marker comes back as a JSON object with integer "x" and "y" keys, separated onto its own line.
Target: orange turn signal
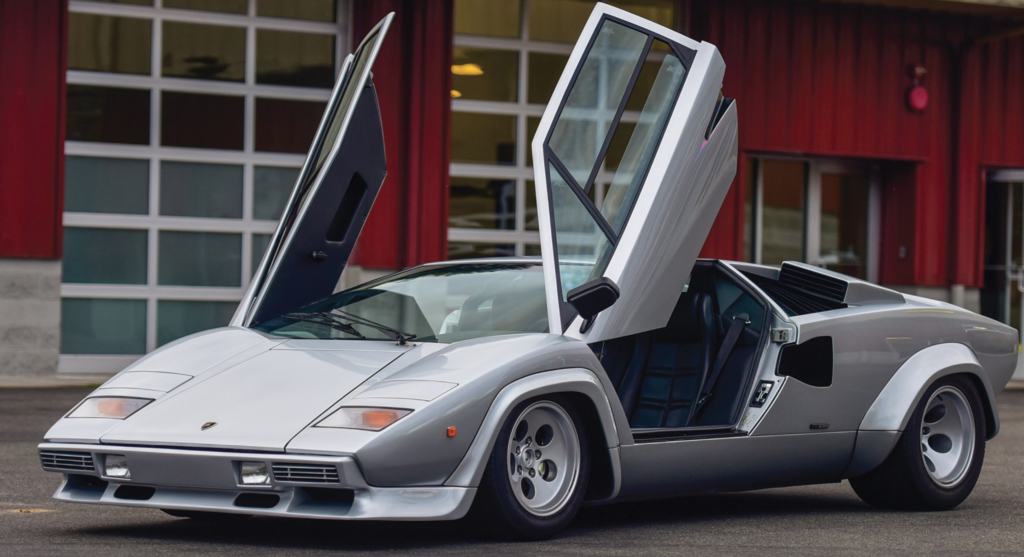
{"x": 379, "y": 418}
{"x": 453, "y": 431}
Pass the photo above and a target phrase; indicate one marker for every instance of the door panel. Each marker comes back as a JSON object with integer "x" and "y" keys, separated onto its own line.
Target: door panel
{"x": 671, "y": 168}
{"x": 336, "y": 188}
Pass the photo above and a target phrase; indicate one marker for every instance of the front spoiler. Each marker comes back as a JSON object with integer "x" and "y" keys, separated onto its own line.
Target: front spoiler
{"x": 200, "y": 480}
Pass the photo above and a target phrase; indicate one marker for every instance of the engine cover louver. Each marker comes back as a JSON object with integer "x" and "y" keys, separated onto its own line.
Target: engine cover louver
{"x": 305, "y": 473}
{"x": 67, "y": 461}
{"x": 815, "y": 284}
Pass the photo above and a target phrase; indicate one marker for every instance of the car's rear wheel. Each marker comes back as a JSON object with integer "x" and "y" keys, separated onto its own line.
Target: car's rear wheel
{"x": 537, "y": 473}
{"x": 206, "y": 516}
{"x": 938, "y": 458}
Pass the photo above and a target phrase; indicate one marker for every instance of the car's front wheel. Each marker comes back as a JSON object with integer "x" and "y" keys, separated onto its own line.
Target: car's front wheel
{"x": 537, "y": 473}
{"x": 938, "y": 458}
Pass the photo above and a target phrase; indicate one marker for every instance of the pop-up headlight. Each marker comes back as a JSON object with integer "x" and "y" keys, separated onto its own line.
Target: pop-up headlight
{"x": 118, "y": 407}
{"x": 372, "y": 419}
{"x": 116, "y": 466}
{"x": 254, "y": 473}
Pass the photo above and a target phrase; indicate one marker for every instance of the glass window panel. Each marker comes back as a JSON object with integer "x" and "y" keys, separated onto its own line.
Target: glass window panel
{"x": 134, "y": 2}
{"x": 563, "y": 20}
{"x": 844, "y": 223}
{"x": 582, "y": 247}
{"x": 593, "y": 100}
{"x": 104, "y": 256}
{"x": 617, "y": 146}
{"x": 96, "y": 326}
{"x": 658, "y": 98}
{"x": 272, "y": 186}
{"x": 311, "y": 10}
{"x": 532, "y": 123}
{"x": 190, "y": 189}
{"x": 104, "y": 185}
{"x": 544, "y": 71}
{"x": 203, "y": 121}
{"x": 531, "y": 250}
{"x": 103, "y": 43}
{"x": 286, "y": 126}
{"x": 108, "y": 114}
{"x": 226, "y": 6}
{"x": 488, "y": 18}
{"x": 485, "y": 74}
{"x": 259, "y": 248}
{"x": 530, "y": 218}
{"x": 179, "y": 318}
{"x": 291, "y": 58}
{"x": 466, "y": 250}
{"x": 782, "y": 230}
{"x": 482, "y": 203}
{"x": 199, "y": 51}
{"x": 200, "y": 259}
{"x": 483, "y": 138}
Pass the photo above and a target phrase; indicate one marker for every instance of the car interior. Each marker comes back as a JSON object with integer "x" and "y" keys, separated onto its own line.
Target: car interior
{"x": 696, "y": 371}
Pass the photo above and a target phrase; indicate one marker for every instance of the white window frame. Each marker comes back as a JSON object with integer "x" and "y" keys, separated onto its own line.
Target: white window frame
{"x": 521, "y": 173}
{"x": 812, "y": 206}
{"x": 248, "y": 158}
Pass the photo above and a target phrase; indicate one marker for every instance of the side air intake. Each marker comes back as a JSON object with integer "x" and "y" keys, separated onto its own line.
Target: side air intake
{"x": 829, "y": 289}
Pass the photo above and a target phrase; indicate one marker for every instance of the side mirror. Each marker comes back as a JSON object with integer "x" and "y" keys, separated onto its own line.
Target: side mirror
{"x": 593, "y": 297}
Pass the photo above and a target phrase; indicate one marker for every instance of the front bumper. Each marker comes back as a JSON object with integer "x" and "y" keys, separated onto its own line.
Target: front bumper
{"x": 201, "y": 480}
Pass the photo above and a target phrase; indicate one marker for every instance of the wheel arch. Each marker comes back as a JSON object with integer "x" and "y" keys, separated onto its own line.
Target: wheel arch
{"x": 584, "y": 389}
{"x": 887, "y": 417}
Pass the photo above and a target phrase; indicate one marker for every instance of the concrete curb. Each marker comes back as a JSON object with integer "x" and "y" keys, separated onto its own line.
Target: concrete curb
{"x": 51, "y": 381}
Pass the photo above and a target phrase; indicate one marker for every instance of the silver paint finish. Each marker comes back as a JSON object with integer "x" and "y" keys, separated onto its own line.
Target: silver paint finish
{"x": 149, "y": 380}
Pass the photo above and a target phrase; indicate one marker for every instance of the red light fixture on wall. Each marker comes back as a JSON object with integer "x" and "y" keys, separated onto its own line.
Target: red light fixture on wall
{"x": 917, "y": 95}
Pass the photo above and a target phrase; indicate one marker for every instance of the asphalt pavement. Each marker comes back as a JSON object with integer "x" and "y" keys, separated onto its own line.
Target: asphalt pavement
{"x": 814, "y": 520}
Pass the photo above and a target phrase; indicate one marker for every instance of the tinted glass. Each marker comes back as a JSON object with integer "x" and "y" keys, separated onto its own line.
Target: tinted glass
{"x": 485, "y": 74}
{"x": 200, "y": 259}
{"x": 531, "y": 222}
{"x": 445, "y": 303}
{"x": 285, "y": 126}
{"x": 467, "y": 250}
{"x": 135, "y": 2}
{"x": 203, "y": 121}
{"x": 226, "y": 6}
{"x": 489, "y": 18}
{"x": 105, "y": 185}
{"x": 94, "y": 326}
{"x": 312, "y": 10}
{"x": 291, "y": 58}
{"x": 190, "y": 189}
{"x": 563, "y": 20}
{"x": 592, "y": 102}
{"x": 108, "y": 114}
{"x": 177, "y": 318}
{"x": 483, "y": 138}
{"x": 482, "y": 203}
{"x": 271, "y": 188}
{"x": 545, "y": 69}
{"x": 782, "y": 228}
{"x": 104, "y": 256}
{"x": 844, "y": 223}
{"x": 259, "y": 248}
{"x": 200, "y": 51}
{"x": 583, "y": 249}
{"x": 103, "y": 43}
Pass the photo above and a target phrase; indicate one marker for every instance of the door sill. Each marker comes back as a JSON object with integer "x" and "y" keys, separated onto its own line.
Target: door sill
{"x": 657, "y": 435}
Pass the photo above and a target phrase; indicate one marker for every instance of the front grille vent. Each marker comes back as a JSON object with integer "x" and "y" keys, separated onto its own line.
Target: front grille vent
{"x": 815, "y": 284}
{"x": 306, "y": 473}
{"x": 69, "y": 461}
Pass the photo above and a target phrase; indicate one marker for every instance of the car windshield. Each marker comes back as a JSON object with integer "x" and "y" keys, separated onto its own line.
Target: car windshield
{"x": 436, "y": 303}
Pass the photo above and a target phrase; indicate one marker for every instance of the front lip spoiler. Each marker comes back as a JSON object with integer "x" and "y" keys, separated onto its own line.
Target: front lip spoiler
{"x": 193, "y": 480}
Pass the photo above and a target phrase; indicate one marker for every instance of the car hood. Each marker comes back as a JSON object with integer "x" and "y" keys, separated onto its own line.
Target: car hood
{"x": 261, "y": 403}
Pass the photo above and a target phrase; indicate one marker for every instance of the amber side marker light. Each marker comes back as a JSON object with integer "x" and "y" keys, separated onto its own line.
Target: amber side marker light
{"x": 453, "y": 431}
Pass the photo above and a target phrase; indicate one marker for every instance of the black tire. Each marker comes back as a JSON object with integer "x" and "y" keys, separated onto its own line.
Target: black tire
{"x": 206, "y": 516}
{"x": 496, "y": 508}
{"x": 903, "y": 482}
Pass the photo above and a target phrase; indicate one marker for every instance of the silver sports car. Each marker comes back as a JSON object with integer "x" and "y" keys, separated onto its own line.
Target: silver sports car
{"x": 617, "y": 366}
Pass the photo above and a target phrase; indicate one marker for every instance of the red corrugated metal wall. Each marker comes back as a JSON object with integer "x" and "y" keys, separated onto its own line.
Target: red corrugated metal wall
{"x": 32, "y": 68}
{"x": 830, "y": 80}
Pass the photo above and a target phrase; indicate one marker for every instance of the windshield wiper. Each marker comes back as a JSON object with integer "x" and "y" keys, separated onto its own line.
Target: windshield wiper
{"x": 334, "y": 319}
{"x": 401, "y": 337}
{"x": 327, "y": 319}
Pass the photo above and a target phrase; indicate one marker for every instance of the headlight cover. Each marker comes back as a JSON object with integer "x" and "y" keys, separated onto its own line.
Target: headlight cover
{"x": 117, "y": 407}
{"x": 370, "y": 419}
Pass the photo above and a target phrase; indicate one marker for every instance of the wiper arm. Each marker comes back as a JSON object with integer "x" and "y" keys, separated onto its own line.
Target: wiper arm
{"x": 325, "y": 319}
{"x": 401, "y": 337}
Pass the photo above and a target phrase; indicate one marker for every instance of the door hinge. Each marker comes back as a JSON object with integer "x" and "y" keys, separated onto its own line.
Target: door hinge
{"x": 780, "y": 335}
{"x": 761, "y": 394}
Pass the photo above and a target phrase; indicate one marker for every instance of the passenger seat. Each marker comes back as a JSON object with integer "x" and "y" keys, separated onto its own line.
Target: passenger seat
{"x": 667, "y": 368}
